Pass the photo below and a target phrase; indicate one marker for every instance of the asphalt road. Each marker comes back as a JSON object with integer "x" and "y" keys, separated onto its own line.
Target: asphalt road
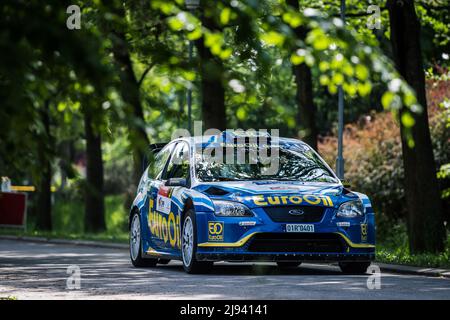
{"x": 39, "y": 271}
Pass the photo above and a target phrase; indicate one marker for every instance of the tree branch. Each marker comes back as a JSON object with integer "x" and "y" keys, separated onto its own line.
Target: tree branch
{"x": 144, "y": 74}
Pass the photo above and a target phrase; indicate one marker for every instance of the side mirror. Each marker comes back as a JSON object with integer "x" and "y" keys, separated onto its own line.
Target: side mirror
{"x": 176, "y": 182}
{"x": 346, "y": 184}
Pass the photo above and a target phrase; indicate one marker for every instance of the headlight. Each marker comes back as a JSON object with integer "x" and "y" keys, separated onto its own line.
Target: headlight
{"x": 231, "y": 209}
{"x": 351, "y": 209}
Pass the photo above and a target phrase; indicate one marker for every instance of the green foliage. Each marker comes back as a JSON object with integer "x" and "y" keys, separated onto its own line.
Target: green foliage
{"x": 47, "y": 68}
{"x": 394, "y": 248}
{"x": 444, "y": 171}
{"x": 69, "y": 212}
{"x": 373, "y": 155}
{"x": 8, "y": 298}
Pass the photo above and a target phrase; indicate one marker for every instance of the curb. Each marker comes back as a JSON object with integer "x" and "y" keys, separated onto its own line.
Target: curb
{"x": 86, "y": 243}
{"x": 428, "y": 272}
{"x": 401, "y": 269}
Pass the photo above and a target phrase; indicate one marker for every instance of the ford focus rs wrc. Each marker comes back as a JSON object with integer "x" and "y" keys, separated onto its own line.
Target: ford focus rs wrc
{"x": 196, "y": 210}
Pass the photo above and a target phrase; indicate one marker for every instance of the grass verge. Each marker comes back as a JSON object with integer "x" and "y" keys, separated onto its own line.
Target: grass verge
{"x": 395, "y": 249}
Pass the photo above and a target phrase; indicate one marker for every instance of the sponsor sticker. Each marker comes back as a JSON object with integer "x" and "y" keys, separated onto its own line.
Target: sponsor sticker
{"x": 247, "y": 223}
{"x": 163, "y": 204}
{"x": 292, "y": 199}
{"x": 363, "y": 231}
{"x": 215, "y": 231}
{"x": 164, "y": 226}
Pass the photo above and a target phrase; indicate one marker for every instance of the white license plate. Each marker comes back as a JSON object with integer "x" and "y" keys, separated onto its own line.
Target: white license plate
{"x": 299, "y": 228}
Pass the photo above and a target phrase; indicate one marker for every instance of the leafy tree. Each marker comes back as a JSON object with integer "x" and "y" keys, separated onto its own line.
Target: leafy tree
{"x": 43, "y": 60}
{"x": 306, "y": 117}
{"x": 425, "y": 217}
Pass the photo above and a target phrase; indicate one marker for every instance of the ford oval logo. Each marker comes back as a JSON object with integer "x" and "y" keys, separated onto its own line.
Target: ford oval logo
{"x": 296, "y": 212}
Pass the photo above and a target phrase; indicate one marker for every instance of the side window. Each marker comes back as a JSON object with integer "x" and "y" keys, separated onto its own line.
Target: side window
{"x": 159, "y": 162}
{"x": 179, "y": 163}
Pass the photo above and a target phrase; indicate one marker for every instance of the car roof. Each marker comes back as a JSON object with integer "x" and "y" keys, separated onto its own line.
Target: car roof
{"x": 211, "y": 138}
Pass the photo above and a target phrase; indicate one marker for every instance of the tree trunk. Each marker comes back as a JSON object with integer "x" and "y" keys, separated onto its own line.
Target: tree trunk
{"x": 44, "y": 194}
{"x": 94, "y": 220}
{"x": 306, "y": 114}
{"x": 213, "y": 91}
{"x": 130, "y": 92}
{"x": 306, "y": 109}
{"x": 425, "y": 221}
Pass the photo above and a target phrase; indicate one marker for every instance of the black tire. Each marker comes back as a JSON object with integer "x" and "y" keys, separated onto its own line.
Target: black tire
{"x": 288, "y": 264}
{"x": 163, "y": 261}
{"x": 354, "y": 267}
{"x": 136, "y": 257}
{"x": 190, "y": 264}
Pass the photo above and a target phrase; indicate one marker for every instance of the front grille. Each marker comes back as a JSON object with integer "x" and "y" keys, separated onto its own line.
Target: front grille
{"x": 296, "y": 242}
{"x": 281, "y": 213}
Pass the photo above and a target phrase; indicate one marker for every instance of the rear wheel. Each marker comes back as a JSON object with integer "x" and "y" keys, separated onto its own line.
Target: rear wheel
{"x": 288, "y": 264}
{"x": 136, "y": 245}
{"x": 189, "y": 246}
{"x": 354, "y": 267}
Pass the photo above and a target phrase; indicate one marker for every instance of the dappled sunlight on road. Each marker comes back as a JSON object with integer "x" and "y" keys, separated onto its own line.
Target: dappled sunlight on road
{"x": 38, "y": 271}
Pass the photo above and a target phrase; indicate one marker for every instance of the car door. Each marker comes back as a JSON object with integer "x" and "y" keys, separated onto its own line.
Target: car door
{"x": 155, "y": 171}
{"x": 168, "y": 199}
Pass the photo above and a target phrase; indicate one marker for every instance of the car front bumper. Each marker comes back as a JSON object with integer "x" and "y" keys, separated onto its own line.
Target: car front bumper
{"x": 277, "y": 256}
{"x": 267, "y": 240}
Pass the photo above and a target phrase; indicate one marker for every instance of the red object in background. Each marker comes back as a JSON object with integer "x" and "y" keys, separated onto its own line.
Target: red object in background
{"x": 12, "y": 208}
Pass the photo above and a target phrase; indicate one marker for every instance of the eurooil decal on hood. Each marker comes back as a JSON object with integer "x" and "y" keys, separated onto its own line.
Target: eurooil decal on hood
{"x": 267, "y": 193}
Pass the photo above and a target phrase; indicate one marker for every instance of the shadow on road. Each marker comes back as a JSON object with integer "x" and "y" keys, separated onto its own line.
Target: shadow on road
{"x": 36, "y": 271}
{"x": 260, "y": 269}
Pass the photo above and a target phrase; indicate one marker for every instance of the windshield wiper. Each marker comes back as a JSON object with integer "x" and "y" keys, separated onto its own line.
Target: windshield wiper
{"x": 284, "y": 179}
{"x": 225, "y": 179}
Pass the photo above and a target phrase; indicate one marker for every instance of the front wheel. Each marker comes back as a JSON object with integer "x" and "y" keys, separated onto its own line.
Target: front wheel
{"x": 136, "y": 245}
{"x": 189, "y": 246}
{"x": 354, "y": 267}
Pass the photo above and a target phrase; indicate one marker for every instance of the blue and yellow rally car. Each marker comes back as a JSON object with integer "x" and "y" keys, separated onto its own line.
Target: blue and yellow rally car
{"x": 191, "y": 208}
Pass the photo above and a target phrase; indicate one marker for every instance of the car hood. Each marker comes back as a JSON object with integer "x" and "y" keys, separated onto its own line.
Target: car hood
{"x": 261, "y": 191}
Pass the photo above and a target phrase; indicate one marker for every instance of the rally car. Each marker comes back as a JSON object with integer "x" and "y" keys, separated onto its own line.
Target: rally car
{"x": 191, "y": 208}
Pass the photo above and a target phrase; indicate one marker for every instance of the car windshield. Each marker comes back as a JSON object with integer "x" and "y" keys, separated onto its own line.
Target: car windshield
{"x": 293, "y": 162}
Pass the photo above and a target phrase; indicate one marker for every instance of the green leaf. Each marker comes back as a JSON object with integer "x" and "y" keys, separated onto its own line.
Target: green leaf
{"x": 321, "y": 43}
{"x": 364, "y": 88}
{"x": 293, "y": 19}
{"x": 324, "y": 66}
{"x": 296, "y": 59}
{"x": 175, "y": 24}
{"x": 409, "y": 98}
{"x": 273, "y": 38}
{"x": 194, "y": 35}
{"x": 241, "y": 113}
{"x": 387, "y": 99}
{"x": 332, "y": 88}
{"x": 225, "y": 53}
{"x": 362, "y": 72}
{"x": 337, "y": 78}
{"x": 225, "y": 15}
{"x": 408, "y": 120}
{"x": 324, "y": 80}
{"x": 350, "y": 88}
